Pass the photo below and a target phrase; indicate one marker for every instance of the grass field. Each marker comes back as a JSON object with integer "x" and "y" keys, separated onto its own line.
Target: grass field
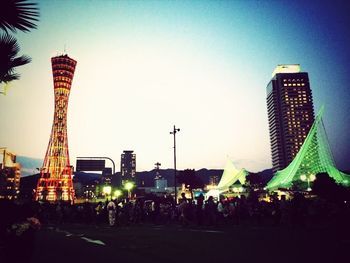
{"x": 151, "y": 243}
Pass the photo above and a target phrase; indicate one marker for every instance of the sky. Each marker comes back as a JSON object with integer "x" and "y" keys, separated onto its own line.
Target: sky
{"x": 144, "y": 66}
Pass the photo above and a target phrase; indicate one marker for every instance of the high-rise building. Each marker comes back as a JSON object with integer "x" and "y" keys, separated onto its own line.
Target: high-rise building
{"x": 160, "y": 183}
{"x": 128, "y": 166}
{"x": 214, "y": 180}
{"x": 290, "y": 113}
{"x": 10, "y": 174}
{"x": 55, "y": 182}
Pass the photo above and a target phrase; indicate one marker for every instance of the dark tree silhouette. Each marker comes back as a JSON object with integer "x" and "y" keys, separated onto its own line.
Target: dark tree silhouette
{"x": 255, "y": 180}
{"x": 190, "y": 179}
{"x": 255, "y": 186}
{"x": 18, "y": 14}
{"x": 14, "y": 15}
{"x": 299, "y": 185}
{"x": 325, "y": 187}
{"x": 9, "y": 49}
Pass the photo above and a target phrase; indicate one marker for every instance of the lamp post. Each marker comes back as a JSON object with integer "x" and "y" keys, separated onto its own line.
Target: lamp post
{"x": 308, "y": 178}
{"x": 128, "y": 186}
{"x": 117, "y": 194}
{"x": 107, "y": 190}
{"x": 175, "y": 130}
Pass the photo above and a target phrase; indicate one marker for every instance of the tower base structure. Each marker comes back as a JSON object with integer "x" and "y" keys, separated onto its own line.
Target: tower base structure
{"x": 55, "y": 190}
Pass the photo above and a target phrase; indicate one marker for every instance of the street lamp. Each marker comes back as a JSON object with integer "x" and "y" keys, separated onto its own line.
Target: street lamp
{"x": 128, "y": 186}
{"x": 117, "y": 193}
{"x": 175, "y": 130}
{"x": 107, "y": 190}
{"x": 308, "y": 179}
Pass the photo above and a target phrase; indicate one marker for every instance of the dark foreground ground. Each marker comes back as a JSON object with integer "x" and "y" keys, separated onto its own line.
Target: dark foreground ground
{"x": 150, "y": 243}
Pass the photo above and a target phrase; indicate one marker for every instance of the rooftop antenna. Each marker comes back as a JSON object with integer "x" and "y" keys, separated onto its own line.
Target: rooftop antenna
{"x": 65, "y": 50}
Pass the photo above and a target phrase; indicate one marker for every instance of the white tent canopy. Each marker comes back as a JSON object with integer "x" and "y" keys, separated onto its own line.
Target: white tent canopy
{"x": 229, "y": 177}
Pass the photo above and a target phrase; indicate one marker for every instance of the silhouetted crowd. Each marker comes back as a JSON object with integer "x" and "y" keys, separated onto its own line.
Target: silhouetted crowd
{"x": 299, "y": 211}
{"x": 20, "y": 221}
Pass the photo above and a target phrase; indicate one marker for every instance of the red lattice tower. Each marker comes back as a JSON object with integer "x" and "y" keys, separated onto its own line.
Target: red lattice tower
{"x": 55, "y": 182}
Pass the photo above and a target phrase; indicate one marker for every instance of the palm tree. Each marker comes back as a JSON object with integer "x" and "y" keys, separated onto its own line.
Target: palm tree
{"x": 9, "y": 49}
{"x": 14, "y": 15}
{"x": 18, "y": 14}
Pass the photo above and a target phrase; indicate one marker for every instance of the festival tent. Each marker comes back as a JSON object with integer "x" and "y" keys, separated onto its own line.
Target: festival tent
{"x": 229, "y": 177}
{"x": 314, "y": 157}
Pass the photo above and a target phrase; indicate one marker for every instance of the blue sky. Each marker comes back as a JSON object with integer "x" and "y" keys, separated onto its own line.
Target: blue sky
{"x": 144, "y": 66}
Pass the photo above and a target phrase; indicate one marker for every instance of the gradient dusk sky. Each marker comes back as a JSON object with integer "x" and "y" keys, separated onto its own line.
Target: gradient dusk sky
{"x": 144, "y": 66}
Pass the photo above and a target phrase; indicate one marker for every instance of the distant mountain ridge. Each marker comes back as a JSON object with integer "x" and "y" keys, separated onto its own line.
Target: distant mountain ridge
{"x": 29, "y": 165}
{"x": 144, "y": 178}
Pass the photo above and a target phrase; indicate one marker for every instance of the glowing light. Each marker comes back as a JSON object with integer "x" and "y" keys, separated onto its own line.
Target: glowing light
{"x": 107, "y": 190}
{"x": 209, "y": 187}
{"x": 117, "y": 193}
{"x": 56, "y": 173}
{"x": 128, "y": 186}
{"x": 213, "y": 193}
{"x": 314, "y": 157}
{"x": 312, "y": 177}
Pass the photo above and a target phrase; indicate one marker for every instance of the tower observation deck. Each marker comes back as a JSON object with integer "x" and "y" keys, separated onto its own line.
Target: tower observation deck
{"x": 55, "y": 182}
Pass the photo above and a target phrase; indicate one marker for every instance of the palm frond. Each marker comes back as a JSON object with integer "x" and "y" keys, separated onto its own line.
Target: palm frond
{"x": 9, "y": 46}
{"x": 20, "y": 61}
{"x": 9, "y": 49}
{"x": 18, "y": 15}
{"x": 9, "y": 77}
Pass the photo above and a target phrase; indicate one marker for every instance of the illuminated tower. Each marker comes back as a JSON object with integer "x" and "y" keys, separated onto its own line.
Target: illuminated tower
{"x": 55, "y": 182}
{"x": 290, "y": 113}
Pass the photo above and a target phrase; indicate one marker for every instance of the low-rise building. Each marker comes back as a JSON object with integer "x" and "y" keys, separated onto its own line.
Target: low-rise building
{"x": 10, "y": 175}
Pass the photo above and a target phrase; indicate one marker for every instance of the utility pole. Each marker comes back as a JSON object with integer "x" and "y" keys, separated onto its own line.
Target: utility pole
{"x": 175, "y": 130}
